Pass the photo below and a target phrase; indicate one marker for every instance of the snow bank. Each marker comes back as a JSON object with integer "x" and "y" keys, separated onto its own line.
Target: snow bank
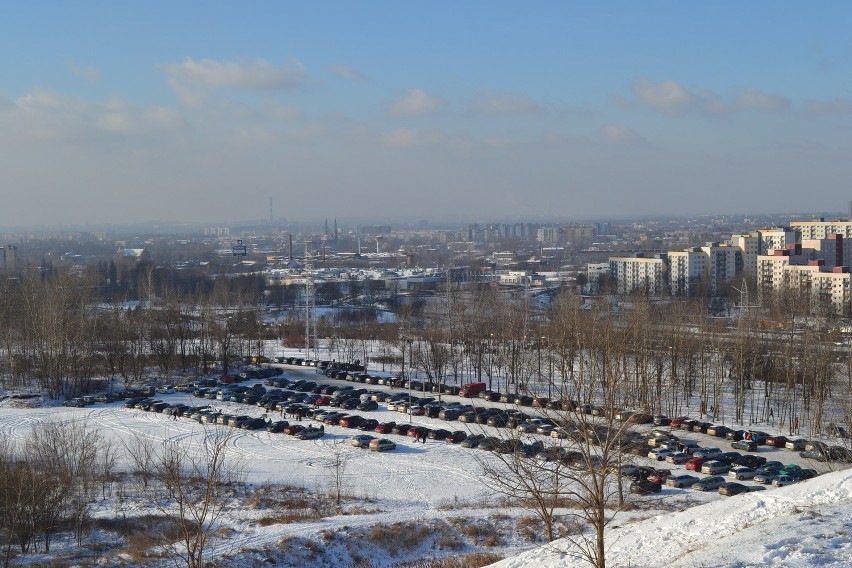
{"x": 801, "y": 525}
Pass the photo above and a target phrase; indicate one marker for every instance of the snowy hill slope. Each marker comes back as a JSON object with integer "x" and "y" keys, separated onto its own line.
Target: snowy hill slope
{"x": 809, "y": 524}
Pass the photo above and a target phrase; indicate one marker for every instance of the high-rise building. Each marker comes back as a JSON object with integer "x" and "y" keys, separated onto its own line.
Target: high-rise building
{"x": 8, "y": 257}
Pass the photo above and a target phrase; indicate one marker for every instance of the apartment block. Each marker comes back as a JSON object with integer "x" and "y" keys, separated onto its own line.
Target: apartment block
{"x": 638, "y": 274}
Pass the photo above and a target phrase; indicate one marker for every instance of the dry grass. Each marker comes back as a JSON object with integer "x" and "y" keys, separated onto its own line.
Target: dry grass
{"x": 530, "y": 528}
{"x": 475, "y": 560}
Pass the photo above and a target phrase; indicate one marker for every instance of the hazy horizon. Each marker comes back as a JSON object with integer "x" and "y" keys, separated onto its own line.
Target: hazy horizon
{"x": 122, "y": 114}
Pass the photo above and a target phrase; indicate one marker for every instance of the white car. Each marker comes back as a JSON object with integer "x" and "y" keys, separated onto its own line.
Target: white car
{"x": 740, "y": 473}
{"x": 659, "y": 454}
{"x": 707, "y": 453}
{"x": 784, "y": 480}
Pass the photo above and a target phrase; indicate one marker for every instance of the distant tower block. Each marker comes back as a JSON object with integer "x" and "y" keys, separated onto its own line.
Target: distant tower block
{"x": 271, "y": 216}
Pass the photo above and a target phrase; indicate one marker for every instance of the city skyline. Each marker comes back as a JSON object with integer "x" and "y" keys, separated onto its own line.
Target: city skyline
{"x": 125, "y": 114}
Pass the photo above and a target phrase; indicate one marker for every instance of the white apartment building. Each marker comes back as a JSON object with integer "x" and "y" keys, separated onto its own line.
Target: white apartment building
{"x": 776, "y": 239}
{"x": 749, "y": 246}
{"x": 638, "y": 274}
{"x": 821, "y": 229}
{"x": 595, "y": 273}
{"x": 721, "y": 264}
{"x": 687, "y": 268}
{"x": 831, "y": 290}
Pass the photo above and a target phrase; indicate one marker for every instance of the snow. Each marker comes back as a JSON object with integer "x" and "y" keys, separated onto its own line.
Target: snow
{"x": 808, "y": 524}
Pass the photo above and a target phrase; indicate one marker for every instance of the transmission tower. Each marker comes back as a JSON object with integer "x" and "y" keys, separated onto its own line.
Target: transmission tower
{"x": 310, "y": 306}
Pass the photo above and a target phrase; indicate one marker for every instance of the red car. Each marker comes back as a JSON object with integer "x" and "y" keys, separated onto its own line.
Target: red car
{"x": 676, "y": 422}
{"x": 777, "y": 441}
{"x": 659, "y": 476}
{"x": 385, "y": 427}
{"x": 694, "y": 464}
{"x": 293, "y": 429}
{"x": 350, "y": 421}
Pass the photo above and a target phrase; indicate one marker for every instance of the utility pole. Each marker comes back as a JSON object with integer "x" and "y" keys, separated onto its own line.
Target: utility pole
{"x": 310, "y": 305}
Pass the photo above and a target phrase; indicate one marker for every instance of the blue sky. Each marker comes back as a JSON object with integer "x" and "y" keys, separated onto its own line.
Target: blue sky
{"x": 480, "y": 110}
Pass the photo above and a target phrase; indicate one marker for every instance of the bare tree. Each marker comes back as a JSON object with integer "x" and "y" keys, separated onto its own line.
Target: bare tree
{"x": 194, "y": 483}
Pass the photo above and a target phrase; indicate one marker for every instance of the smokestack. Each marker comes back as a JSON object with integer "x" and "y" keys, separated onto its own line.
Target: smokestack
{"x": 850, "y": 210}
{"x": 291, "y": 248}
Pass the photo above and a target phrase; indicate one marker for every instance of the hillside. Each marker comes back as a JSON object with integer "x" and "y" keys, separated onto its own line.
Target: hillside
{"x": 807, "y": 524}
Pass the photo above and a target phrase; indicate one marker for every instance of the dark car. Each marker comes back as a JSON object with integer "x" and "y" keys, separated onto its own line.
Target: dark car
{"x": 457, "y": 437}
{"x": 750, "y": 460}
{"x": 368, "y": 405}
{"x": 732, "y": 488}
{"x": 277, "y": 426}
{"x": 777, "y": 441}
{"x": 472, "y": 441}
{"x": 498, "y": 420}
{"x": 735, "y": 435}
{"x": 718, "y": 431}
{"x": 353, "y": 421}
{"x": 368, "y": 425}
{"x": 401, "y": 429}
{"x": 254, "y": 424}
{"x": 439, "y": 434}
{"x": 662, "y": 420}
{"x": 747, "y": 445}
{"x": 645, "y": 487}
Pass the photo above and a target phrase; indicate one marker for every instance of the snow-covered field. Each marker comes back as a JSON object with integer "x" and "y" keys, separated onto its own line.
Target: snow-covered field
{"x": 439, "y": 486}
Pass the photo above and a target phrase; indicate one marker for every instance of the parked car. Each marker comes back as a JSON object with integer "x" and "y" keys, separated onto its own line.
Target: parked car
{"x": 694, "y": 464}
{"x": 472, "y": 441}
{"x": 707, "y": 453}
{"x": 784, "y": 480}
{"x": 385, "y": 427}
{"x": 750, "y": 460}
{"x": 715, "y": 467}
{"x": 660, "y": 476}
{"x": 678, "y": 458}
{"x": 310, "y": 433}
{"x": 796, "y": 445}
{"x": 382, "y": 445}
{"x": 368, "y": 405}
{"x": 457, "y": 437}
{"x": 718, "y": 431}
{"x": 277, "y": 426}
{"x": 747, "y": 445}
{"x": 732, "y": 488}
{"x": 777, "y": 441}
{"x": 645, "y": 487}
{"x": 659, "y": 454}
{"x": 680, "y": 481}
{"x": 710, "y": 483}
{"x": 361, "y": 440}
{"x": 742, "y": 472}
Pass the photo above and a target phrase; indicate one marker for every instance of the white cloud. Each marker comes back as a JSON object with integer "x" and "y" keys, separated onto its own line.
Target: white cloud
{"x": 46, "y": 115}
{"x": 671, "y": 98}
{"x": 256, "y": 74}
{"x": 187, "y": 96}
{"x": 348, "y": 73}
{"x": 505, "y": 104}
{"x": 416, "y": 102}
{"x": 752, "y": 99}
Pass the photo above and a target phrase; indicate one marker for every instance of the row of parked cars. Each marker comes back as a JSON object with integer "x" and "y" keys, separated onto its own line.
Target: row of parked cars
{"x": 751, "y": 440}
{"x": 208, "y": 415}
